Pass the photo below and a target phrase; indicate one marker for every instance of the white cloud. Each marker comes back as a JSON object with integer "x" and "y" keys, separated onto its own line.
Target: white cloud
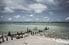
{"x": 23, "y": 17}
{"x": 7, "y": 9}
{"x": 17, "y": 16}
{"x": 47, "y": 1}
{"x": 38, "y": 8}
{"x": 16, "y": 4}
{"x": 48, "y": 19}
{"x": 51, "y": 13}
{"x": 1, "y": 16}
{"x": 31, "y": 15}
{"x": 38, "y": 0}
{"x": 67, "y": 18}
{"x": 22, "y": 5}
{"x": 8, "y": 1}
{"x": 58, "y": 19}
{"x": 67, "y": 1}
{"x": 37, "y": 18}
{"x": 28, "y": 20}
{"x": 9, "y": 19}
{"x": 45, "y": 17}
{"x": 51, "y": 1}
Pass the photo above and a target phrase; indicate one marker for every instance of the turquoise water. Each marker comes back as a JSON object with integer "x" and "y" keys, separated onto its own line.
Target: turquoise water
{"x": 60, "y": 29}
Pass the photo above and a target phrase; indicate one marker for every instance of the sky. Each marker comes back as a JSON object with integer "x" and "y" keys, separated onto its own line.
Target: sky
{"x": 34, "y": 10}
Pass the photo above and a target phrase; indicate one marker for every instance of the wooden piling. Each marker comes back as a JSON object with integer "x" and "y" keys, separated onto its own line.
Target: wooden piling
{"x": 3, "y": 38}
{"x": 11, "y": 37}
{"x": 6, "y": 38}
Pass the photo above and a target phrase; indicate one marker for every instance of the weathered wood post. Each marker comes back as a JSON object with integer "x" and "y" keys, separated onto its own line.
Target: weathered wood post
{"x": 0, "y": 40}
{"x": 18, "y": 33}
{"x": 27, "y": 28}
{"x": 6, "y": 38}
{"x": 11, "y": 37}
{"x": 3, "y": 38}
{"x": 9, "y": 33}
{"x": 21, "y": 35}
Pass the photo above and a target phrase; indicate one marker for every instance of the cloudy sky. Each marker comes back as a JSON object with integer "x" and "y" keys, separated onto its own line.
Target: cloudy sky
{"x": 34, "y": 10}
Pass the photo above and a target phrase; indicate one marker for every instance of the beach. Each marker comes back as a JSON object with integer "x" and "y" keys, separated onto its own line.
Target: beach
{"x": 36, "y": 40}
{"x": 57, "y": 34}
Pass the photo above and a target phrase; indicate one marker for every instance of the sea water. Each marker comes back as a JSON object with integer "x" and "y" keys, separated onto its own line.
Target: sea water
{"x": 61, "y": 29}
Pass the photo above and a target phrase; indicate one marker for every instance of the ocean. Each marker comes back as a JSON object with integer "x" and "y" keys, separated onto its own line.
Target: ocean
{"x": 57, "y": 30}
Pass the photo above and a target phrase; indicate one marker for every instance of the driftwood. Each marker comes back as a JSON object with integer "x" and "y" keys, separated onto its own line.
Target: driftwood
{"x": 17, "y": 37}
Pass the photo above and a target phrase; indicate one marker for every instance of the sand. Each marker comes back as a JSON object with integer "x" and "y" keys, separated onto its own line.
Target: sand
{"x": 36, "y": 40}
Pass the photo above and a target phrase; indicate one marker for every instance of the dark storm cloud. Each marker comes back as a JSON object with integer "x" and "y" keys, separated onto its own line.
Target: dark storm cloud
{"x": 55, "y": 10}
{"x": 1, "y": 5}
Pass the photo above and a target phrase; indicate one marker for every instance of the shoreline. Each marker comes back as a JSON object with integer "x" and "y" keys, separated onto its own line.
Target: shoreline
{"x": 58, "y": 40}
{"x": 38, "y": 38}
